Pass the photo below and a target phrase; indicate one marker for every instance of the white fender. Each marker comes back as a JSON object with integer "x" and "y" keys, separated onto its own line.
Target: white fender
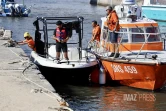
{"x": 102, "y": 76}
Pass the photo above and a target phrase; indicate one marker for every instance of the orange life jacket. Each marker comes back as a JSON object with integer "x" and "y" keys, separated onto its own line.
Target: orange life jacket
{"x": 112, "y": 18}
{"x": 61, "y": 34}
{"x": 31, "y": 44}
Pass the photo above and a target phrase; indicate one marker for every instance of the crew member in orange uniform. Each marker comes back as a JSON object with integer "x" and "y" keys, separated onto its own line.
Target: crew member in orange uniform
{"x": 114, "y": 27}
{"x": 28, "y": 40}
{"x": 95, "y": 32}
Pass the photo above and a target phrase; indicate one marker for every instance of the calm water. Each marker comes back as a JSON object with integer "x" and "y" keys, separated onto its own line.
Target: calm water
{"x": 86, "y": 98}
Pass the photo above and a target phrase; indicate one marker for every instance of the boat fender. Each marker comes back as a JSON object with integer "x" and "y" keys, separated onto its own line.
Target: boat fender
{"x": 102, "y": 75}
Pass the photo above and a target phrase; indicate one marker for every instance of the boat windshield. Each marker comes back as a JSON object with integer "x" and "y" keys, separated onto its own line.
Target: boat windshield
{"x": 152, "y": 38}
{"x": 123, "y": 35}
{"x": 136, "y": 37}
{"x": 139, "y": 34}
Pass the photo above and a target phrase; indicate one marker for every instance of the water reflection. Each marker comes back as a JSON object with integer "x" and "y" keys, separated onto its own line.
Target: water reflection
{"x": 107, "y": 98}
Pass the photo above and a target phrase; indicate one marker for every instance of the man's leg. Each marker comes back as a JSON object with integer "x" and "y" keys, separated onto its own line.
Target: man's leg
{"x": 57, "y": 55}
{"x": 58, "y": 50}
{"x": 116, "y": 45}
{"x": 111, "y": 35}
{"x": 66, "y": 55}
{"x": 64, "y": 48}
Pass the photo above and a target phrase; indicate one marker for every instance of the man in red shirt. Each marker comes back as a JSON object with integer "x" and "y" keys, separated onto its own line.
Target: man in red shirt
{"x": 61, "y": 36}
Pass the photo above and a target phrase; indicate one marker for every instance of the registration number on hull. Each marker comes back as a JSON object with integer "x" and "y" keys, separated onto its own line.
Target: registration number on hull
{"x": 124, "y": 69}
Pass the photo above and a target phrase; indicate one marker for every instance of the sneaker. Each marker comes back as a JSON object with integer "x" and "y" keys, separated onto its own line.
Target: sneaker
{"x": 58, "y": 62}
{"x": 68, "y": 62}
{"x": 112, "y": 54}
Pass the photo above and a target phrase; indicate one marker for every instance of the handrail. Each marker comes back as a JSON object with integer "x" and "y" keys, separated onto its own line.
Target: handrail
{"x": 146, "y": 38}
{"x": 134, "y": 33}
{"x": 142, "y": 47}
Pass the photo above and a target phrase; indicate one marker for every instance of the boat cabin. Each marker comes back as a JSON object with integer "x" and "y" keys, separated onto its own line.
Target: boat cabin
{"x": 134, "y": 35}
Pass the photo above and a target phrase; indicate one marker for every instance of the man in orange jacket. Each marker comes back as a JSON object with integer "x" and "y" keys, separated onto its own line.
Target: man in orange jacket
{"x": 114, "y": 27}
{"x": 96, "y": 32}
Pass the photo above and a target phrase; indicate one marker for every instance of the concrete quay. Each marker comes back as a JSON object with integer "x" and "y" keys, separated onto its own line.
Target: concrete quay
{"x": 27, "y": 91}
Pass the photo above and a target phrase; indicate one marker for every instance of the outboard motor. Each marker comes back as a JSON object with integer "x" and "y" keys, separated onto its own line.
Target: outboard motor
{"x": 18, "y": 9}
{"x": 12, "y": 10}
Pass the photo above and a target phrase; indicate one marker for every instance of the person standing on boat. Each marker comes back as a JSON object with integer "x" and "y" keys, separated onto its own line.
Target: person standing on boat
{"x": 114, "y": 27}
{"x": 28, "y": 40}
{"x": 95, "y": 32}
{"x": 61, "y": 36}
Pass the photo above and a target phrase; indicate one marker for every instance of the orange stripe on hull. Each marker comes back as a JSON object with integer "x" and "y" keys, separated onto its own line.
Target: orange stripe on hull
{"x": 137, "y": 75}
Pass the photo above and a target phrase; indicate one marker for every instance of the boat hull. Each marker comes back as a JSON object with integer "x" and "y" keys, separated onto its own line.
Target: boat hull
{"x": 144, "y": 76}
{"x": 57, "y": 76}
{"x": 154, "y": 12}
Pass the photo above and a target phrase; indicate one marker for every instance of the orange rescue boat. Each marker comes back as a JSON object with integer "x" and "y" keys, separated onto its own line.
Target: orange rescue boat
{"x": 142, "y": 60}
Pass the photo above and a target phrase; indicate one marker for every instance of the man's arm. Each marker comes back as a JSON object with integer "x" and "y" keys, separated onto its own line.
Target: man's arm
{"x": 67, "y": 38}
{"x": 22, "y": 42}
{"x": 55, "y": 38}
{"x": 116, "y": 19}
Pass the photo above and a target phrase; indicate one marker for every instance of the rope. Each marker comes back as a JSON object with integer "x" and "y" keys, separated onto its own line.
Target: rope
{"x": 61, "y": 101}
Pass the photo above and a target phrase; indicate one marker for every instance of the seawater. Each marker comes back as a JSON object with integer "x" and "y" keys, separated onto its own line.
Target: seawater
{"x": 86, "y": 97}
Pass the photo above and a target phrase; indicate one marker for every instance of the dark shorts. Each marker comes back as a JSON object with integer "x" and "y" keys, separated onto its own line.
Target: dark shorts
{"x": 113, "y": 37}
{"x": 61, "y": 46}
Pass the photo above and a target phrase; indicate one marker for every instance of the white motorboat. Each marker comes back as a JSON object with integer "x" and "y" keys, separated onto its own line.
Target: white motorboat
{"x": 80, "y": 64}
{"x": 9, "y": 8}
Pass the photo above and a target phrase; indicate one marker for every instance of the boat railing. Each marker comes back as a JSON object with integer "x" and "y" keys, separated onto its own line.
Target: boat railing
{"x": 120, "y": 42}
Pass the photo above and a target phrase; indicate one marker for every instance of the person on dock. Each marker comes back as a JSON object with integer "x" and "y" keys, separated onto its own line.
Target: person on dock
{"x": 28, "y": 40}
{"x": 96, "y": 31}
{"x": 114, "y": 27}
{"x": 61, "y": 36}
